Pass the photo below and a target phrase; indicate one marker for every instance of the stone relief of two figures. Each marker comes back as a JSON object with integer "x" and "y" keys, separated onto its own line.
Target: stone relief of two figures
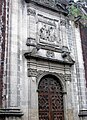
{"x": 47, "y": 33}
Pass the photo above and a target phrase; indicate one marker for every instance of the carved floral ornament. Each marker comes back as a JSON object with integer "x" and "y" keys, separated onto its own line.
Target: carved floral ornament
{"x": 50, "y": 54}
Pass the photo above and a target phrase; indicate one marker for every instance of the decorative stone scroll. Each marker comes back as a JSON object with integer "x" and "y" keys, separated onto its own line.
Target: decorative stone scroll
{"x": 63, "y": 77}
{"x": 31, "y": 11}
{"x": 47, "y": 33}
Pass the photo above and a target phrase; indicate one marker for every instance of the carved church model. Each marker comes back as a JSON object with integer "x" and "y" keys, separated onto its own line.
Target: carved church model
{"x": 43, "y": 74}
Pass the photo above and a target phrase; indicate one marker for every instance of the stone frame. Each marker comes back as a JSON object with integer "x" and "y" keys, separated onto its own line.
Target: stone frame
{"x": 60, "y": 77}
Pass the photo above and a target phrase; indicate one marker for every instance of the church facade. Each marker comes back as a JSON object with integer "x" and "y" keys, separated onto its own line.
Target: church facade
{"x": 42, "y": 66}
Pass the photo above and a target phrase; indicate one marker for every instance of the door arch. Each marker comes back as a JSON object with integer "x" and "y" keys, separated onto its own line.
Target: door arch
{"x": 50, "y": 98}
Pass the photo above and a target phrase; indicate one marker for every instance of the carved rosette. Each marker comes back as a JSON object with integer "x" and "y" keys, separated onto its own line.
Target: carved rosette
{"x": 31, "y": 11}
{"x": 50, "y": 54}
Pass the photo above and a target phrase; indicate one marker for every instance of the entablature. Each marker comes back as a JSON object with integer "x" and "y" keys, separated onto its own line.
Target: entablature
{"x": 55, "y": 5}
{"x": 61, "y": 56}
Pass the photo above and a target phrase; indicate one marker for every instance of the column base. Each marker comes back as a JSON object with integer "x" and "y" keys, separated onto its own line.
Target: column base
{"x": 11, "y": 113}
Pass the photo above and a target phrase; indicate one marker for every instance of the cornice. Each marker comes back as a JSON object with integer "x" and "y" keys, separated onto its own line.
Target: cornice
{"x": 52, "y": 5}
{"x": 29, "y": 55}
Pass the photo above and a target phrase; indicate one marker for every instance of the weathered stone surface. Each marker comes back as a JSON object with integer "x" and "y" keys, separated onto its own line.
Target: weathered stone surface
{"x": 53, "y": 44}
{"x": 32, "y": 72}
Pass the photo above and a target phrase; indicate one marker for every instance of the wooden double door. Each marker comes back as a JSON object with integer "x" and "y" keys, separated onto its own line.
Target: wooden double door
{"x": 50, "y": 99}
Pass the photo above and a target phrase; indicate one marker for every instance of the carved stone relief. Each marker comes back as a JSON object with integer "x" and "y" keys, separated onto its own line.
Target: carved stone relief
{"x": 67, "y": 77}
{"x": 31, "y": 11}
{"x": 48, "y": 31}
{"x": 36, "y": 73}
{"x": 32, "y": 72}
{"x": 63, "y": 22}
{"x": 50, "y": 54}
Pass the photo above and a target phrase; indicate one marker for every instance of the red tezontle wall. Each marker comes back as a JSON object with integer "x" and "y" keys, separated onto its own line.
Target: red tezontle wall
{"x": 2, "y": 43}
{"x": 83, "y": 31}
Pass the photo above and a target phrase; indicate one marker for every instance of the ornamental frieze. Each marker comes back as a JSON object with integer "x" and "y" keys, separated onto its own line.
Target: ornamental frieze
{"x": 37, "y": 73}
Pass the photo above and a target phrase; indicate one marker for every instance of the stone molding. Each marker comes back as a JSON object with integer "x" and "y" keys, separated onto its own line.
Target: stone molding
{"x": 35, "y": 56}
{"x": 53, "y": 5}
{"x": 11, "y": 112}
{"x": 83, "y": 113}
{"x": 43, "y": 73}
{"x": 37, "y": 73}
{"x": 47, "y": 46}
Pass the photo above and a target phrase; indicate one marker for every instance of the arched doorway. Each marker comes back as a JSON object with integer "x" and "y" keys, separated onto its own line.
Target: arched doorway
{"x": 50, "y": 99}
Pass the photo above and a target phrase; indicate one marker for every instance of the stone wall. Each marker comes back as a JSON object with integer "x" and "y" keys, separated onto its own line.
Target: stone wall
{"x": 42, "y": 41}
{"x": 83, "y": 31}
{"x": 2, "y": 43}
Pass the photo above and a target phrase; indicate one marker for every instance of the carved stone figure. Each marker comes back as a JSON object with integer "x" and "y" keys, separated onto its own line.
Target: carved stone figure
{"x": 43, "y": 33}
{"x": 47, "y": 33}
{"x": 51, "y": 34}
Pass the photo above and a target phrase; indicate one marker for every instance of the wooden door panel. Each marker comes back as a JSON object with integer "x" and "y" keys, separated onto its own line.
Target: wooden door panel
{"x": 50, "y": 99}
{"x": 43, "y": 102}
{"x": 44, "y": 115}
